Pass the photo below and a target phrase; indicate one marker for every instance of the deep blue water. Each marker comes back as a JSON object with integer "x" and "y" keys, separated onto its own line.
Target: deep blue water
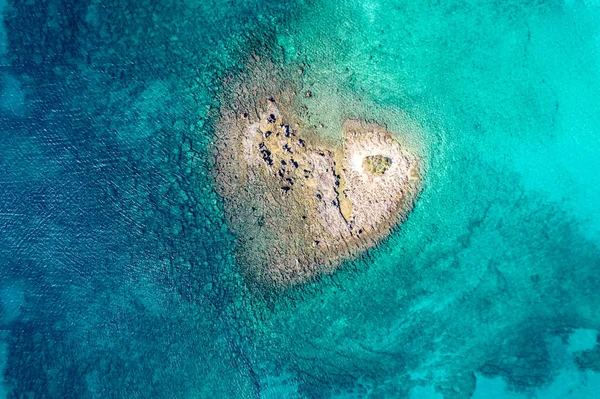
{"x": 117, "y": 274}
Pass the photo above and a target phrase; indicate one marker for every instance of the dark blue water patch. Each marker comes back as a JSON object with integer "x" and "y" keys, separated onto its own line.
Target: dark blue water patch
{"x": 109, "y": 217}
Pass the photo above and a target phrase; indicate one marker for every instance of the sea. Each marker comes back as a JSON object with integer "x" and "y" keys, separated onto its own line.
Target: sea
{"x": 118, "y": 275}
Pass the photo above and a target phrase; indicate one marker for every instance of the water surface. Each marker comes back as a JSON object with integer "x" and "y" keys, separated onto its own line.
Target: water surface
{"x": 117, "y": 272}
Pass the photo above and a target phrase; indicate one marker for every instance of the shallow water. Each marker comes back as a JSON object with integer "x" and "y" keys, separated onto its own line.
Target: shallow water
{"x": 117, "y": 272}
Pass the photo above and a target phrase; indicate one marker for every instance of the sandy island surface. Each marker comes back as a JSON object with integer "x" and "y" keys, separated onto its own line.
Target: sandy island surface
{"x": 298, "y": 203}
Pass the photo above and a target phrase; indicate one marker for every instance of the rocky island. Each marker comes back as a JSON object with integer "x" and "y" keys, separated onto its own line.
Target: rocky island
{"x": 299, "y": 203}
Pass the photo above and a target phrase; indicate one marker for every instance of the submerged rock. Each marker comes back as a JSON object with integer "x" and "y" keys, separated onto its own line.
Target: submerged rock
{"x": 309, "y": 203}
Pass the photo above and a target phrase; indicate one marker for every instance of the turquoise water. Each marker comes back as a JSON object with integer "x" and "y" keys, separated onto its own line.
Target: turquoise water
{"x": 118, "y": 278}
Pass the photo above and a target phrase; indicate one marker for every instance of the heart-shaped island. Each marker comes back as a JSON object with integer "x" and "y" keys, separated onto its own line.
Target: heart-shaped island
{"x": 298, "y": 203}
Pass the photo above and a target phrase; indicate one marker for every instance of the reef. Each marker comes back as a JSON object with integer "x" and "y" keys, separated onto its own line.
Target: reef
{"x": 298, "y": 202}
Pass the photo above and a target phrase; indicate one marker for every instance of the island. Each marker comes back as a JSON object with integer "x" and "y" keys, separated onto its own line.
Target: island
{"x": 301, "y": 204}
